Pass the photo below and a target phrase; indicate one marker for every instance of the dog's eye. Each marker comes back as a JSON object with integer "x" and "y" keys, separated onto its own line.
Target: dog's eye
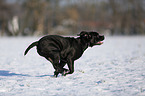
{"x": 90, "y": 36}
{"x": 85, "y": 35}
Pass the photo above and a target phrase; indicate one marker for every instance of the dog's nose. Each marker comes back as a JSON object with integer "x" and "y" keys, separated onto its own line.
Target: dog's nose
{"x": 102, "y": 37}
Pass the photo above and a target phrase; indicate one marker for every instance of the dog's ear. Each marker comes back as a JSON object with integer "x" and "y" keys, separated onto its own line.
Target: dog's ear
{"x": 83, "y": 34}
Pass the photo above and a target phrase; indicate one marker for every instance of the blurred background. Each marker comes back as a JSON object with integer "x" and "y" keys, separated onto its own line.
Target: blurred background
{"x": 69, "y": 17}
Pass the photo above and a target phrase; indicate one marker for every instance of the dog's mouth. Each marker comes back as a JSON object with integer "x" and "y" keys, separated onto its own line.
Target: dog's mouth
{"x": 99, "y": 43}
{"x": 101, "y": 37}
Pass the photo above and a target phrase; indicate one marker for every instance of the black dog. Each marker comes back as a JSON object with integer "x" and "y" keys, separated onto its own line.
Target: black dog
{"x": 61, "y": 50}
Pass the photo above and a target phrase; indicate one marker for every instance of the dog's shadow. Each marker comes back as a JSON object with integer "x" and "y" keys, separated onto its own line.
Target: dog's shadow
{"x": 8, "y": 73}
{"x": 45, "y": 76}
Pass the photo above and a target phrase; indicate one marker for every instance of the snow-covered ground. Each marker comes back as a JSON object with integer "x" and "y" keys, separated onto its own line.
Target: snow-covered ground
{"x": 116, "y": 68}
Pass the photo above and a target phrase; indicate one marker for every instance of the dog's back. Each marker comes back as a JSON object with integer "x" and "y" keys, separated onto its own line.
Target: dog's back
{"x": 53, "y": 43}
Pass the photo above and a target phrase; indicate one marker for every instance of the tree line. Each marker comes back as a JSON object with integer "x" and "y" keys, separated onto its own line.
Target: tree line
{"x": 68, "y": 17}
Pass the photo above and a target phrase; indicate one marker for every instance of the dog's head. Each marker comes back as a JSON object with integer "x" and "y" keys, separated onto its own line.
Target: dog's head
{"x": 92, "y": 38}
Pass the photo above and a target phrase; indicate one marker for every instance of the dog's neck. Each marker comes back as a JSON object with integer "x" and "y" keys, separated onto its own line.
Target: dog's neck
{"x": 83, "y": 43}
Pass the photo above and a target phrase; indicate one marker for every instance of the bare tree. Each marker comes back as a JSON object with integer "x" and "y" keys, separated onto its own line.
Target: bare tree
{"x": 38, "y": 17}
{"x": 5, "y": 14}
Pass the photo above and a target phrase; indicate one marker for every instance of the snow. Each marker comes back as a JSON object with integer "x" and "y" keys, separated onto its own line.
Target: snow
{"x": 116, "y": 68}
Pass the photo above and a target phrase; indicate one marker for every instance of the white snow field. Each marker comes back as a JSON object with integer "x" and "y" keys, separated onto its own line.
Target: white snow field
{"x": 116, "y": 68}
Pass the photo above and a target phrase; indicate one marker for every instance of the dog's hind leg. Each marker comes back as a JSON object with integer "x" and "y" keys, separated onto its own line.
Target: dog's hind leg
{"x": 60, "y": 67}
{"x": 54, "y": 66}
{"x": 55, "y": 60}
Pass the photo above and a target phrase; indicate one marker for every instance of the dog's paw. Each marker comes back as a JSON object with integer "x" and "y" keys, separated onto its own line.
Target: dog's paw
{"x": 55, "y": 74}
{"x": 65, "y": 72}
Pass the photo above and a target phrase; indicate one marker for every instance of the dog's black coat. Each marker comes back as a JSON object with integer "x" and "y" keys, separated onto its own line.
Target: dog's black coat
{"x": 61, "y": 50}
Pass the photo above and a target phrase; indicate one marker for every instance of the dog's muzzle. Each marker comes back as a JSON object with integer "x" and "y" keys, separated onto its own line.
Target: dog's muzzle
{"x": 101, "y": 37}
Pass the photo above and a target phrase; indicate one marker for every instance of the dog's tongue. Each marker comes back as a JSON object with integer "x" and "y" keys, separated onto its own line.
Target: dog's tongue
{"x": 99, "y": 43}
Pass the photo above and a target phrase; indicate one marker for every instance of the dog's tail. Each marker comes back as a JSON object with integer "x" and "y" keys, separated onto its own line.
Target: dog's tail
{"x": 31, "y": 46}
